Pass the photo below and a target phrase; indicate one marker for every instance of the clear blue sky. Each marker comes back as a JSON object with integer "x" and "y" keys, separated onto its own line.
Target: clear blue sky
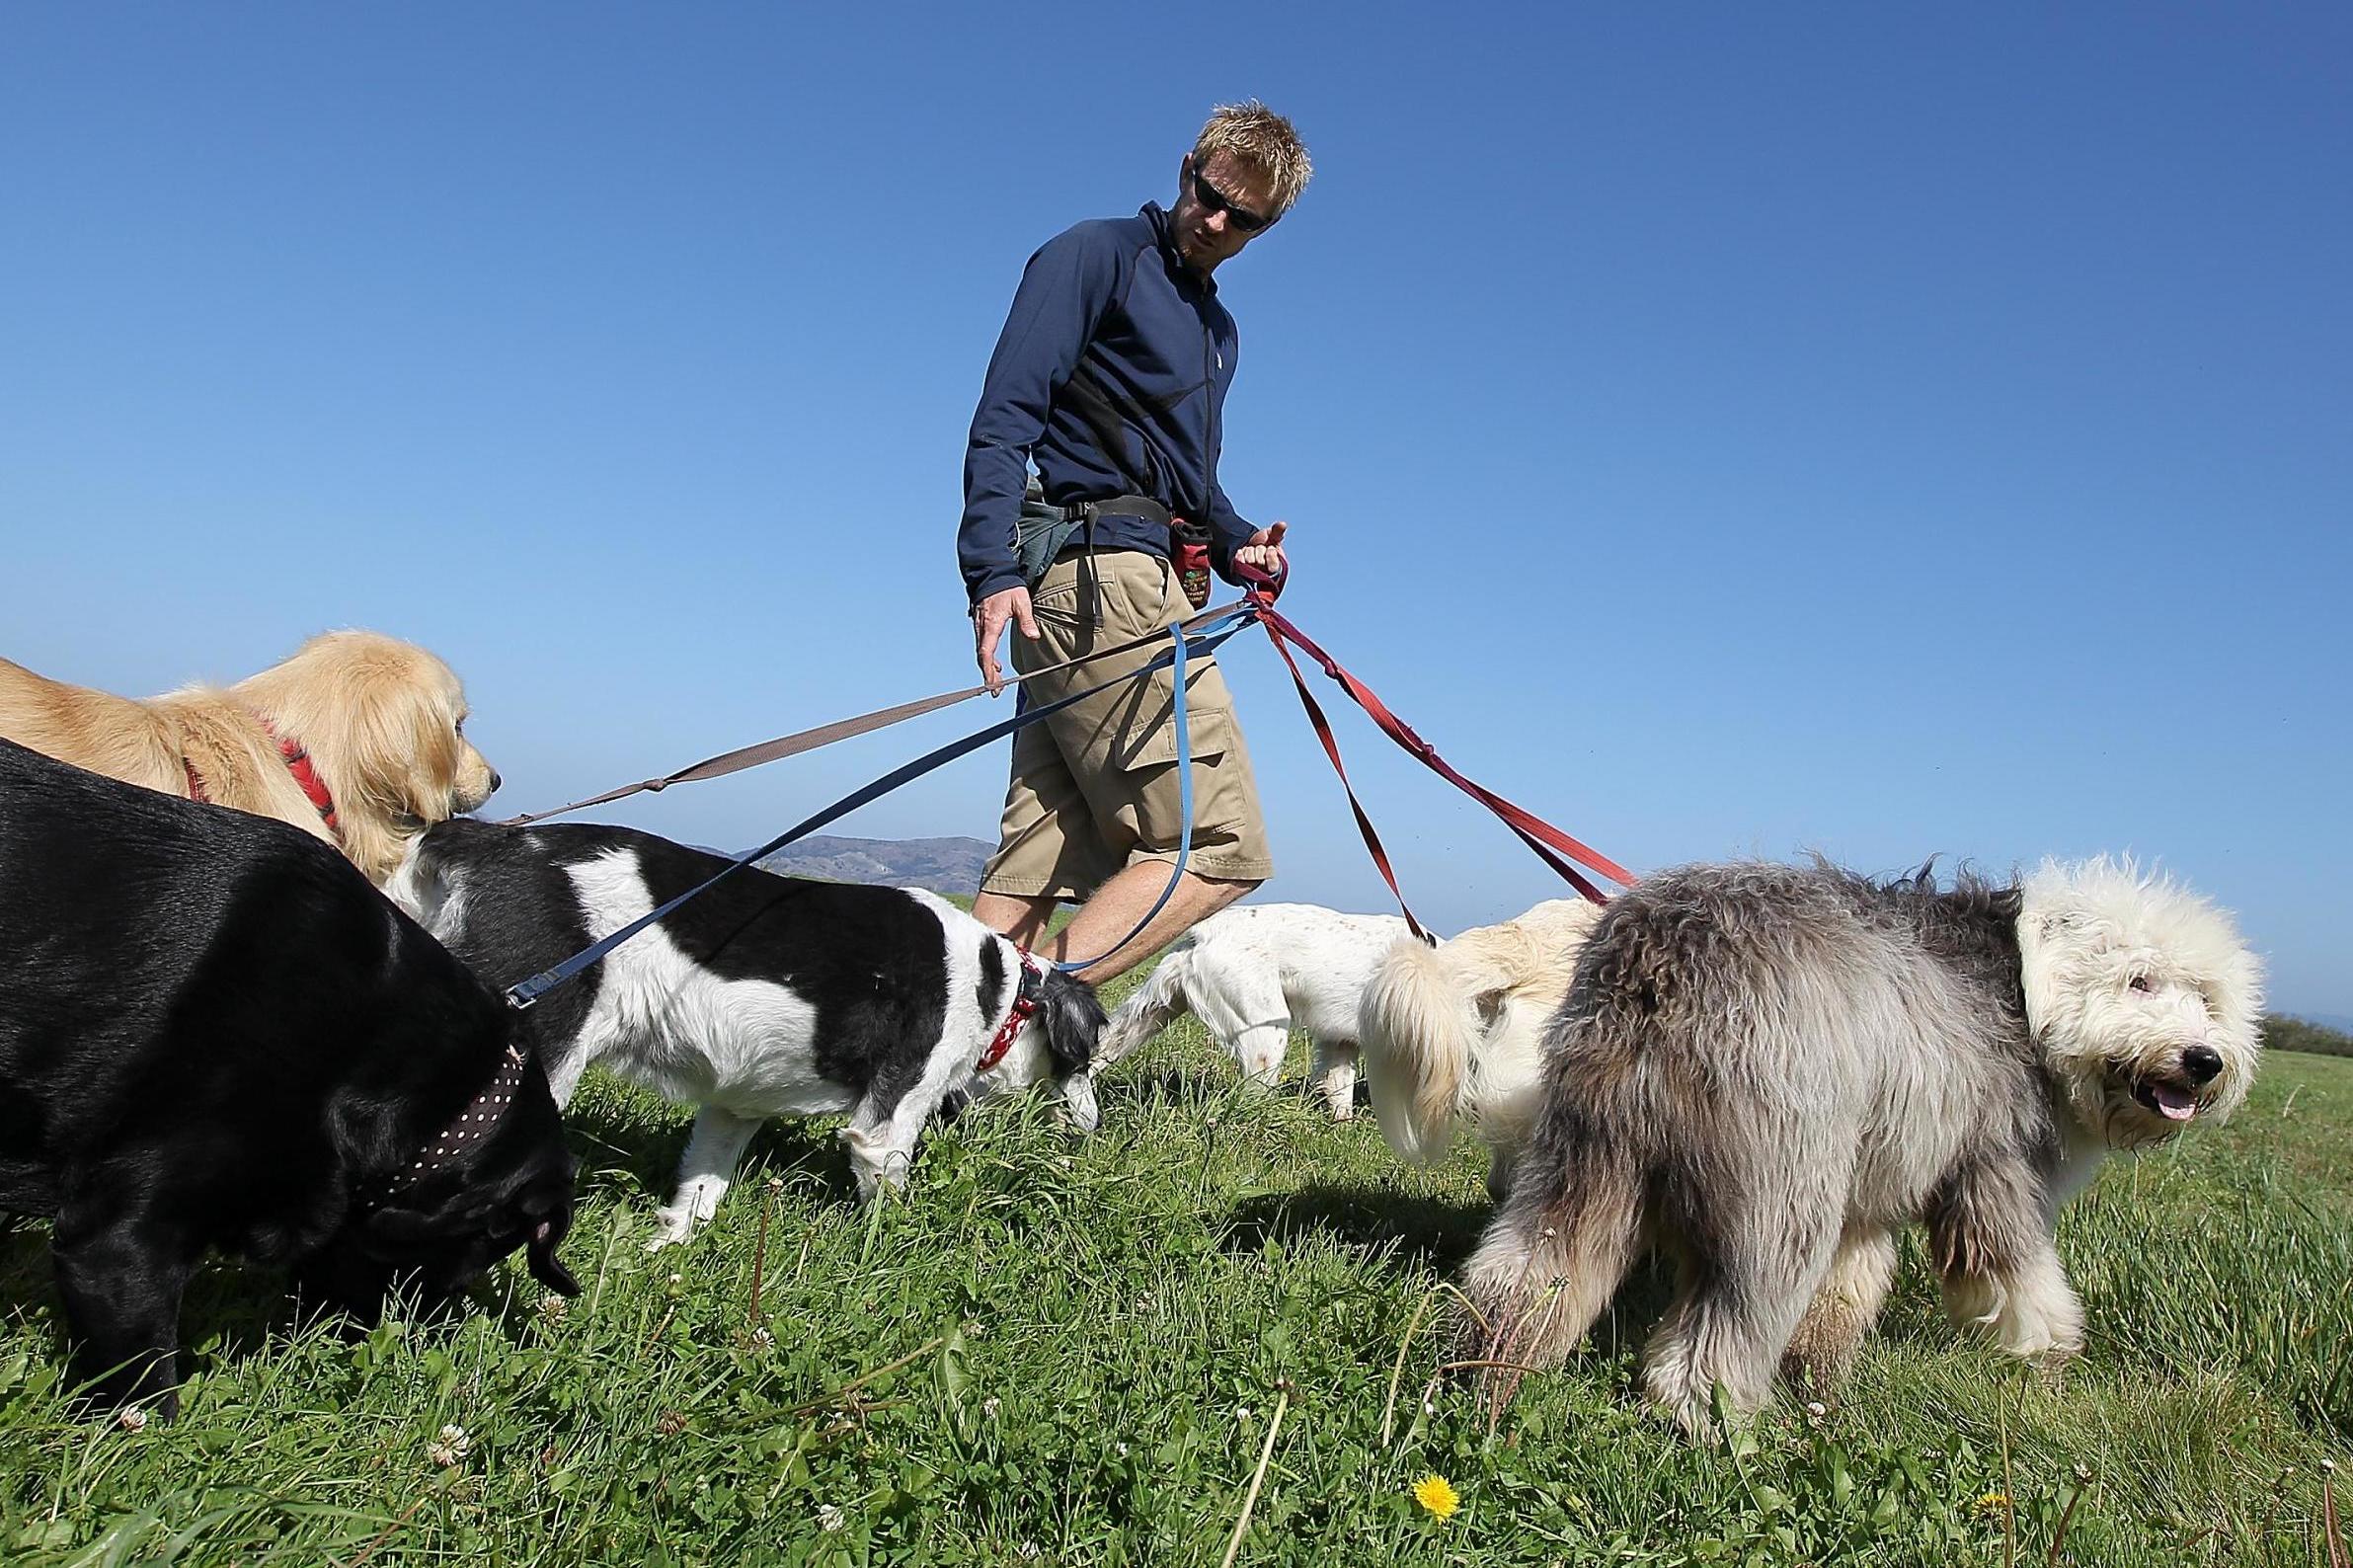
{"x": 1732, "y": 430}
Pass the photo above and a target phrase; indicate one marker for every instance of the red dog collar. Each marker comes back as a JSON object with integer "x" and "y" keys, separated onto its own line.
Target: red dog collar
{"x": 299, "y": 764}
{"x": 1025, "y": 1007}
{"x": 306, "y": 774}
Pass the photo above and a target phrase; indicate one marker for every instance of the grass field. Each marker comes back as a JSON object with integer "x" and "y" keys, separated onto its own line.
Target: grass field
{"x": 1070, "y": 1351}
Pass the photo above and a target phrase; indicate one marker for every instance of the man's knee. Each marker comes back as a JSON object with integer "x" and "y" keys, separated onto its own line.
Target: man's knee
{"x": 1222, "y": 890}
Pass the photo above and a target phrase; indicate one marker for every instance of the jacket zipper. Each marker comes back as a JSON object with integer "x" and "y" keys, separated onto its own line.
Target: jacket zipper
{"x": 1209, "y": 390}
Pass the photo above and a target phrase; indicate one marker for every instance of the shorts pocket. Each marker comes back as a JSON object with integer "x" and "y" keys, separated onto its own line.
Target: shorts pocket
{"x": 1118, "y": 609}
{"x": 1059, "y": 600}
{"x": 1143, "y": 734}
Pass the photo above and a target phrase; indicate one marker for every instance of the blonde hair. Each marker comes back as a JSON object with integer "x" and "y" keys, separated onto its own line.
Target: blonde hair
{"x": 1261, "y": 141}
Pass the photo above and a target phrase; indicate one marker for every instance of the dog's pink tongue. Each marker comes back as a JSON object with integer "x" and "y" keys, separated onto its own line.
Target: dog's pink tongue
{"x": 2177, "y": 1106}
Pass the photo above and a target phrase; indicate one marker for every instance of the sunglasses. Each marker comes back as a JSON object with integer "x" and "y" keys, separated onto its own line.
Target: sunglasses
{"x": 1241, "y": 217}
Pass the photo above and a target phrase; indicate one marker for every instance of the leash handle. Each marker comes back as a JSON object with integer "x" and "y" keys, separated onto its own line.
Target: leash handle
{"x": 1261, "y": 588}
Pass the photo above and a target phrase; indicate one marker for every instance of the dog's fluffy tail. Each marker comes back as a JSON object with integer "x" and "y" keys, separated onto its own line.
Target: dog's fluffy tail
{"x": 1152, "y": 1007}
{"x": 1418, "y": 1026}
{"x": 1455, "y": 1033}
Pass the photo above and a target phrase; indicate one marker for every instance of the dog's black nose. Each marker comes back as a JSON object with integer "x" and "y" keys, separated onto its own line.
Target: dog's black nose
{"x": 2201, "y": 1062}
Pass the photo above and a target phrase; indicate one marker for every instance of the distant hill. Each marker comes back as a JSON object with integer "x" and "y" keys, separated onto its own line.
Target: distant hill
{"x": 2336, "y": 1021}
{"x": 943, "y": 865}
{"x": 2282, "y": 1033}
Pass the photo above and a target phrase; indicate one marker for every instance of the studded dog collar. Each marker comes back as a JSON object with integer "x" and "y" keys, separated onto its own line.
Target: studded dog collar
{"x": 473, "y": 1123}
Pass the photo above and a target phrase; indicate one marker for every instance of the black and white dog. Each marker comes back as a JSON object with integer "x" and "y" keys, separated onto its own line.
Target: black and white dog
{"x": 214, "y": 1033}
{"x": 765, "y": 996}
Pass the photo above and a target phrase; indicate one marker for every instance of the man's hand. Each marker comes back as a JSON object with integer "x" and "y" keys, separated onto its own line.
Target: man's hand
{"x": 988, "y": 624}
{"x": 1264, "y": 551}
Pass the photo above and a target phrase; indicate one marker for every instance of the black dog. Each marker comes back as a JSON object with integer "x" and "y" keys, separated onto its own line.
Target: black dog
{"x": 214, "y": 1033}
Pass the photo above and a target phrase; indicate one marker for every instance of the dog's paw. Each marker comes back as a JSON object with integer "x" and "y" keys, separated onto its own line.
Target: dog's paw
{"x": 675, "y": 1230}
{"x": 1079, "y": 1103}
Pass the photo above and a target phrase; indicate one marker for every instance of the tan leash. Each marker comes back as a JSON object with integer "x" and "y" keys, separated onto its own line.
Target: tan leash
{"x": 826, "y": 735}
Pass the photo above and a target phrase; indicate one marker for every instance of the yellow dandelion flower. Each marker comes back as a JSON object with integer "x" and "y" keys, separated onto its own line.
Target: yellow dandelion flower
{"x": 1435, "y": 1493}
{"x": 1993, "y": 1502}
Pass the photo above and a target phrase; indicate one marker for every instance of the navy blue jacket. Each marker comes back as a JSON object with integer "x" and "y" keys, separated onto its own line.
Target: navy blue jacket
{"x": 1110, "y": 377}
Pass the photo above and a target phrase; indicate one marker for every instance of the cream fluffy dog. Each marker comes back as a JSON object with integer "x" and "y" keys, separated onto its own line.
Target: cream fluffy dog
{"x": 1767, "y": 1070}
{"x": 378, "y": 724}
{"x": 1451, "y": 1033}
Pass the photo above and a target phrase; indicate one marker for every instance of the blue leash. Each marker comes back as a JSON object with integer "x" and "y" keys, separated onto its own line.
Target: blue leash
{"x": 1176, "y": 874}
{"x": 524, "y": 992}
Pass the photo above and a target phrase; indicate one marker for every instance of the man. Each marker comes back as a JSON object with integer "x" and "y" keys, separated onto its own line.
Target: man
{"x": 1111, "y": 377}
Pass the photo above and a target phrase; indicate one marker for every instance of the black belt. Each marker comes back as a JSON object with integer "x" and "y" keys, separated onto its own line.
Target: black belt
{"x": 1144, "y": 506}
{"x": 1082, "y": 544}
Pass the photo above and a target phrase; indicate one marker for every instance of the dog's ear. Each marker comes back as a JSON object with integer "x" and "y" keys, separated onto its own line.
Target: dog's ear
{"x": 411, "y": 1228}
{"x": 1073, "y": 1020}
{"x": 388, "y": 738}
{"x": 2081, "y": 932}
{"x": 411, "y": 758}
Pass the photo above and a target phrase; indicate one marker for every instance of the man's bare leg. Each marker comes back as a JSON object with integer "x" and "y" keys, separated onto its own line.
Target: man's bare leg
{"x": 1111, "y": 915}
{"x": 1013, "y": 916}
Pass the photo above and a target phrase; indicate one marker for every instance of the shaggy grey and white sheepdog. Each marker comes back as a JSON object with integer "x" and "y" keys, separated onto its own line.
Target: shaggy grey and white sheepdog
{"x": 1765, "y": 1070}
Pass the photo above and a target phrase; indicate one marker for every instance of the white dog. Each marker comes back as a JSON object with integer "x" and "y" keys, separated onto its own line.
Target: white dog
{"x": 765, "y": 996}
{"x": 1252, "y": 975}
{"x": 1767, "y": 1070}
{"x": 1450, "y": 1033}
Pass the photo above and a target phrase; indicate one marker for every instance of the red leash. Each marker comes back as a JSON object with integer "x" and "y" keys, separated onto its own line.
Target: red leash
{"x": 1548, "y": 841}
{"x": 1331, "y": 749}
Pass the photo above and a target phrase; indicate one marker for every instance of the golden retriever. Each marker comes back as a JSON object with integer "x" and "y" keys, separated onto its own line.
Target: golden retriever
{"x": 377, "y": 722}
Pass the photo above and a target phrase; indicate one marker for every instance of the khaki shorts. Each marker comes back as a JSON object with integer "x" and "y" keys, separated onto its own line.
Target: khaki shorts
{"x": 1095, "y": 787}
